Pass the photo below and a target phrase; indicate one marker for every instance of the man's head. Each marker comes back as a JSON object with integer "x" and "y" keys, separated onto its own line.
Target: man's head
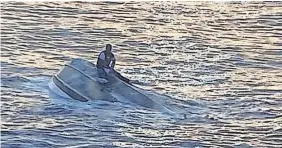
{"x": 108, "y": 48}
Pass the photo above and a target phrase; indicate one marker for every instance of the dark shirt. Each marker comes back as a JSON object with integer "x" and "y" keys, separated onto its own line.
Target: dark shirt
{"x": 105, "y": 60}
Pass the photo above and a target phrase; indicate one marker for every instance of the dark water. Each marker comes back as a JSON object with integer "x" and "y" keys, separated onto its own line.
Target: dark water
{"x": 221, "y": 62}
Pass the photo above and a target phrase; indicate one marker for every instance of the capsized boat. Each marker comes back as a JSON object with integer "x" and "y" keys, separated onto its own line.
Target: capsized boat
{"x": 79, "y": 80}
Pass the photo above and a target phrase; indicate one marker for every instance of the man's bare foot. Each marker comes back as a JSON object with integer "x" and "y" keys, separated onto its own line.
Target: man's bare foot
{"x": 102, "y": 81}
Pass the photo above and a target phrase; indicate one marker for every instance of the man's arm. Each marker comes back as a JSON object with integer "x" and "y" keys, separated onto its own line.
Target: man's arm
{"x": 113, "y": 63}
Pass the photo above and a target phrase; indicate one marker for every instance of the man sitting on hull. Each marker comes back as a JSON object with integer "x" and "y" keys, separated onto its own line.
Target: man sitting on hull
{"x": 106, "y": 63}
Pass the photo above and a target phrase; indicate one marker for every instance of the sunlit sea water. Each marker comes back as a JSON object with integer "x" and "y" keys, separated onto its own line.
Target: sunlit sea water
{"x": 221, "y": 61}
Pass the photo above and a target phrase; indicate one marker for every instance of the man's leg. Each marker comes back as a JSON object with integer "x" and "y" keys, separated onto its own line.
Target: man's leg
{"x": 102, "y": 73}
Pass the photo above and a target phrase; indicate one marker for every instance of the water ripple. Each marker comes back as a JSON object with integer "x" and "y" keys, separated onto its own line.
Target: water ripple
{"x": 220, "y": 61}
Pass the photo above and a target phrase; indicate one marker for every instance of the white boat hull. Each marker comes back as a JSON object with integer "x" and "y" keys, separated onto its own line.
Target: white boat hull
{"x": 79, "y": 80}
{"x": 55, "y": 89}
